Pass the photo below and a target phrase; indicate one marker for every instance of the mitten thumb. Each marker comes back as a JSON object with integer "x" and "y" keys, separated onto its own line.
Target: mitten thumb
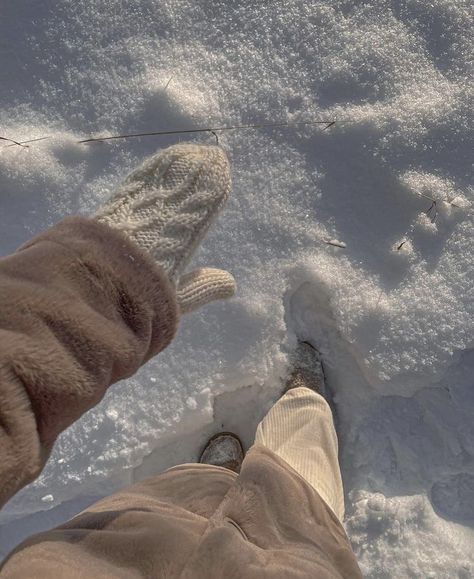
{"x": 203, "y": 285}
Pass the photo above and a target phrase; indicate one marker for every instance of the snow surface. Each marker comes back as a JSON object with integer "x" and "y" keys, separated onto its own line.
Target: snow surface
{"x": 329, "y": 233}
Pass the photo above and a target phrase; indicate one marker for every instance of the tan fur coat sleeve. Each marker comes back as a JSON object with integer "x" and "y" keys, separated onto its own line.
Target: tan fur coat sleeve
{"x": 81, "y": 307}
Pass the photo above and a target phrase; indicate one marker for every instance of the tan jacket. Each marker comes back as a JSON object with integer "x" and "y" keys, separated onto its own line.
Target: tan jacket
{"x": 80, "y": 308}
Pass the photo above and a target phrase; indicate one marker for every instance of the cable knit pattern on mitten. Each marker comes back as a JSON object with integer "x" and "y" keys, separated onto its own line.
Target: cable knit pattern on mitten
{"x": 167, "y": 205}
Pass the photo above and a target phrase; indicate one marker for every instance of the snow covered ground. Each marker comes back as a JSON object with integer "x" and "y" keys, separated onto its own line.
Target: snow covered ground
{"x": 392, "y": 310}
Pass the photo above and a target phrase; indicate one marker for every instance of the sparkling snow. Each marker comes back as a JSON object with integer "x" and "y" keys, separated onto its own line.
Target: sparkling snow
{"x": 331, "y": 234}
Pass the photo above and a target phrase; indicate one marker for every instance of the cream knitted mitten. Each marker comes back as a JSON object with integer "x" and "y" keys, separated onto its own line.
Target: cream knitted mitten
{"x": 166, "y": 206}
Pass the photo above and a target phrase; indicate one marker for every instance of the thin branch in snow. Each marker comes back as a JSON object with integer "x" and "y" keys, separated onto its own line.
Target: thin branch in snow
{"x": 434, "y": 201}
{"x": 13, "y": 143}
{"x": 212, "y": 130}
{"x": 21, "y": 143}
{"x": 335, "y": 243}
{"x": 432, "y": 211}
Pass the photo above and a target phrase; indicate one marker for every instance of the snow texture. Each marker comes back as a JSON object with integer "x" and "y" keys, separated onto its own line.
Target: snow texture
{"x": 331, "y": 234}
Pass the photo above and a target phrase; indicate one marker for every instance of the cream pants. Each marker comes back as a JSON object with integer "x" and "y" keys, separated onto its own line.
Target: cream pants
{"x": 299, "y": 428}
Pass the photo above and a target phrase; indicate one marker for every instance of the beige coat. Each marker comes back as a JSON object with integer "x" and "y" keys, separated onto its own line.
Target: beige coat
{"x": 81, "y": 308}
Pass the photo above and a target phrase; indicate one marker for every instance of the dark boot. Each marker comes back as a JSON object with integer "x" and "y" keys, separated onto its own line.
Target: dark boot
{"x": 224, "y": 449}
{"x": 308, "y": 370}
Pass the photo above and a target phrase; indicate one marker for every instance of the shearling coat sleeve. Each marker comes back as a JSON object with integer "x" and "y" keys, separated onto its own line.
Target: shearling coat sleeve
{"x": 81, "y": 307}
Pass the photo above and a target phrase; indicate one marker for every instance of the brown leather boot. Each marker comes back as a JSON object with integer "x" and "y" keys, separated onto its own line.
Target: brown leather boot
{"x": 224, "y": 449}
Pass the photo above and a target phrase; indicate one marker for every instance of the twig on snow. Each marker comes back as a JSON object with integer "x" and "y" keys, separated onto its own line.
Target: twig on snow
{"x": 14, "y": 142}
{"x": 434, "y": 201}
{"x": 21, "y": 143}
{"x": 335, "y": 243}
{"x": 211, "y": 130}
{"x": 432, "y": 211}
